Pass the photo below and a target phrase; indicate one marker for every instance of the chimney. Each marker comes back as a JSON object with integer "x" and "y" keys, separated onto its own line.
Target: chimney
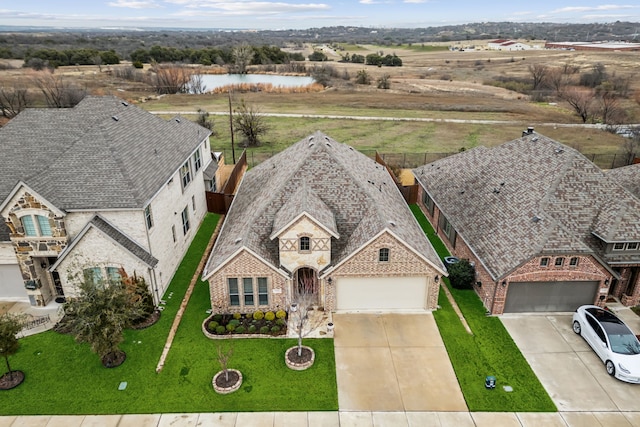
{"x": 529, "y": 131}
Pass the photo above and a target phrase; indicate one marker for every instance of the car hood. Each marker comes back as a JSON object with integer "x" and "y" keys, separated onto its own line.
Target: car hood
{"x": 629, "y": 361}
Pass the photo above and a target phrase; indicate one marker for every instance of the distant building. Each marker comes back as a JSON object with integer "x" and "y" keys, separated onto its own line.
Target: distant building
{"x": 507, "y": 45}
{"x": 594, "y": 46}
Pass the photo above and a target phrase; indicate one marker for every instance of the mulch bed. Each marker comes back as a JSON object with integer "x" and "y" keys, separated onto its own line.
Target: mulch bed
{"x": 149, "y": 321}
{"x": 233, "y": 379}
{"x": 6, "y": 383}
{"x": 115, "y": 359}
{"x": 305, "y": 356}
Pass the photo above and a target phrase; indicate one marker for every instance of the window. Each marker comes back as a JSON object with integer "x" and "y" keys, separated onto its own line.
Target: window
{"x": 185, "y": 220}
{"x": 263, "y": 291}
{"x": 113, "y": 275}
{"x": 193, "y": 203}
{"x": 173, "y": 233}
{"x": 305, "y": 244}
{"x": 185, "y": 174}
{"x": 147, "y": 217}
{"x": 573, "y": 262}
{"x": 544, "y": 262}
{"x": 428, "y": 202}
{"x": 93, "y": 276}
{"x": 383, "y": 255}
{"x": 234, "y": 295}
{"x": 618, "y": 246}
{"x": 38, "y": 227}
{"x": 559, "y": 261}
{"x": 213, "y": 184}
{"x": 197, "y": 160}
{"x": 633, "y": 246}
{"x": 247, "y": 290}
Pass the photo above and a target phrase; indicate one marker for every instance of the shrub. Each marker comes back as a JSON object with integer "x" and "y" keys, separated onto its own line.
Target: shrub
{"x": 234, "y": 322}
{"x": 237, "y": 316}
{"x": 252, "y": 329}
{"x": 258, "y": 315}
{"x": 241, "y": 330}
{"x": 281, "y": 322}
{"x": 212, "y": 325}
{"x": 220, "y": 329}
{"x": 281, "y": 314}
{"x": 275, "y": 329}
{"x": 217, "y": 317}
{"x": 269, "y": 315}
{"x": 138, "y": 64}
{"x": 248, "y": 315}
{"x": 264, "y": 330}
{"x": 231, "y": 327}
{"x": 462, "y": 275}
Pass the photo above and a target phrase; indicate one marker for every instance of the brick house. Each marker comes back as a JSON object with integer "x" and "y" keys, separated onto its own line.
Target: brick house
{"x": 546, "y": 229}
{"x": 95, "y": 188}
{"x": 324, "y": 217}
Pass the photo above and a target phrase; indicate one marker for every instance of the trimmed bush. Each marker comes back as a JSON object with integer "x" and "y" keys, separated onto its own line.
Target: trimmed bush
{"x": 234, "y": 322}
{"x": 217, "y": 317}
{"x": 264, "y": 330}
{"x": 231, "y": 327}
{"x": 462, "y": 275}
{"x": 252, "y": 329}
{"x": 269, "y": 315}
{"x": 258, "y": 315}
{"x": 281, "y": 322}
{"x": 275, "y": 329}
{"x": 241, "y": 330}
{"x": 237, "y": 316}
{"x": 220, "y": 329}
{"x": 248, "y": 315}
{"x": 212, "y": 325}
{"x": 138, "y": 64}
{"x": 281, "y": 314}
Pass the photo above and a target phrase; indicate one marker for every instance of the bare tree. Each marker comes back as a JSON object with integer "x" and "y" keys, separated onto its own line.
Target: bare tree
{"x": 13, "y": 100}
{"x": 302, "y": 307}
{"x": 384, "y": 81}
{"x": 557, "y": 79}
{"x": 223, "y": 360}
{"x": 539, "y": 73}
{"x": 609, "y": 104}
{"x": 250, "y": 122}
{"x": 171, "y": 78}
{"x": 196, "y": 85}
{"x": 242, "y": 55}
{"x": 204, "y": 120}
{"x": 58, "y": 92}
{"x": 581, "y": 100}
{"x": 631, "y": 146}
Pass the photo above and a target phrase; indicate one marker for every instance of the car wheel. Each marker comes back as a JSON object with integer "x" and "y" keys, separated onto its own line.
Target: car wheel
{"x": 611, "y": 368}
{"x": 576, "y": 327}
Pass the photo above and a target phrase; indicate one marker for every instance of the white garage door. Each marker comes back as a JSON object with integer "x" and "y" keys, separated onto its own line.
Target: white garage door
{"x": 381, "y": 293}
{"x": 11, "y": 284}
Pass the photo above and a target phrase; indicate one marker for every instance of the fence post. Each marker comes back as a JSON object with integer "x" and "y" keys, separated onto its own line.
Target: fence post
{"x": 613, "y": 162}
{"x": 404, "y": 160}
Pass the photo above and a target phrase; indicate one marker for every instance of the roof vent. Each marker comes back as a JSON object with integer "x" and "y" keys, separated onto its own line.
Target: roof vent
{"x": 238, "y": 240}
{"x": 534, "y": 139}
{"x": 496, "y": 191}
{"x": 502, "y": 184}
{"x": 178, "y": 119}
{"x": 115, "y": 118}
{"x": 559, "y": 150}
{"x": 125, "y": 103}
{"x": 328, "y": 144}
{"x": 536, "y": 218}
{"x": 393, "y": 223}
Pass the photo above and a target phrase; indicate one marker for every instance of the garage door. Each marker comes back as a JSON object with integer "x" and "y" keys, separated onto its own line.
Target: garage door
{"x": 549, "y": 296}
{"x": 11, "y": 284}
{"x": 381, "y": 293}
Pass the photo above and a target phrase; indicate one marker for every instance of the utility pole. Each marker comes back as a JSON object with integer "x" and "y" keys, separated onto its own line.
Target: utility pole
{"x": 233, "y": 149}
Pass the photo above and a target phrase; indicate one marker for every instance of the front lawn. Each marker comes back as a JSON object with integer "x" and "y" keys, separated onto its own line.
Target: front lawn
{"x": 489, "y": 351}
{"x": 62, "y": 377}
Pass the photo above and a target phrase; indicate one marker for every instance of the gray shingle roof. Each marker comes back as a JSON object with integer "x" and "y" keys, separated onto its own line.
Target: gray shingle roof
{"x": 101, "y": 154}
{"x": 628, "y": 177}
{"x": 4, "y": 232}
{"x": 124, "y": 241}
{"x": 526, "y": 197}
{"x": 360, "y": 194}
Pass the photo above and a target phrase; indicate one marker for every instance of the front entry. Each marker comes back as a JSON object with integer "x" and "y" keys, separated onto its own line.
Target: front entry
{"x": 305, "y": 285}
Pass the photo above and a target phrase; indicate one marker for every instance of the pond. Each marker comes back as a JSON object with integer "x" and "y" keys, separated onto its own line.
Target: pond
{"x": 214, "y": 81}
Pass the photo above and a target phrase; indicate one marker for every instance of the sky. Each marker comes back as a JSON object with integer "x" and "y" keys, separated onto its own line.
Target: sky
{"x": 302, "y": 14}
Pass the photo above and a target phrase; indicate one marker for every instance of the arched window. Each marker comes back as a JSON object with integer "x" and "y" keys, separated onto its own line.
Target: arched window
{"x": 383, "y": 255}
{"x": 36, "y": 225}
{"x": 305, "y": 244}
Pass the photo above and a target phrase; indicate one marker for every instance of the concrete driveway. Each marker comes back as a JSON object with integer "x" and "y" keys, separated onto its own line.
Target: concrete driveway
{"x": 393, "y": 362}
{"x": 569, "y": 370}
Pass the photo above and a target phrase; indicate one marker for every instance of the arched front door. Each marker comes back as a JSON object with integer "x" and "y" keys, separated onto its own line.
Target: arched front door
{"x": 306, "y": 285}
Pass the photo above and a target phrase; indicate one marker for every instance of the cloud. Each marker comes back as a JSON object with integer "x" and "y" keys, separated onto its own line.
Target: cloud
{"x": 252, "y": 8}
{"x": 593, "y": 8}
{"x": 415, "y": 1}
{"x": 605, "y": 17}
{"x": 132, "y": 4}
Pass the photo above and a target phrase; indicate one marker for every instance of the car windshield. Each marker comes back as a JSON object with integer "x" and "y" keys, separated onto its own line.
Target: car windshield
{"x": 624, "y": 344}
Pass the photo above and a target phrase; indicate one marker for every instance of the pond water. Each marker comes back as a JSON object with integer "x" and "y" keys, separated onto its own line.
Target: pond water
{"x": 214, "y": 81}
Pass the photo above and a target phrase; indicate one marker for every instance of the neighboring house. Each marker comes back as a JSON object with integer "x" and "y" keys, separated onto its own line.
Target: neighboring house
{"x": 507, "y": 45}
{"x": 546, "y": 228}
{"x": 323, "y": 217}
{"x": 88, "y": 190}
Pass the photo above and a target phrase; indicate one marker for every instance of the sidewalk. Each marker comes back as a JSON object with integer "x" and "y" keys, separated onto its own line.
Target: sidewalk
{"x": 342, "y": 419}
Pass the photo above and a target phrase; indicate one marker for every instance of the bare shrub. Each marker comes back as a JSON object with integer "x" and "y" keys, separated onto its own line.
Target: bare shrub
{"x": 13, "y": 100}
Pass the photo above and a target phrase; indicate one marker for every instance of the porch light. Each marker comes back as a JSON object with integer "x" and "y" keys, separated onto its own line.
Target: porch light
{"x": 504, "y": 283}
{"x": 43, "y": 264}
{"x": 294, "y": 307}
{"x": 606, "y": 281}
{"x": 330, "y": 280}
{"x": 436, "y": 279}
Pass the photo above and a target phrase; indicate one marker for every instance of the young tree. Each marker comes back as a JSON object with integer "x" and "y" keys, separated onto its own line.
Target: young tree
{"x": 539, "y": 74}
{"x": 363, "y": 78}
{"x": 242, "y": 55}
{"x": 384, "y": 81}
{"x": 581, "y": 100}
{"x": 249, "y": 121}
{"x": 304, "y": 300}
{"x": 99, "y": 316}
{"x": 9, "y": 327}
{"x": 223, "y": 360}
{"x": 204, "y": 120}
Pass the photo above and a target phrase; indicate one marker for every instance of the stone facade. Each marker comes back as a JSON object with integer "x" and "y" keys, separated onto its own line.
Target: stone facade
{"x": 319, "y": 254}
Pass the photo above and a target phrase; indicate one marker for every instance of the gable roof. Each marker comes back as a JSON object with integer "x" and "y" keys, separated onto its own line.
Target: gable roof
{"x": 102, "y": 225}
{"x": 4, "y": 232}
{"x": 628, "y": 177}
{"x": 358, "y": 192}
{"x": 102, "y": 154}
{"x": 527, "y": 197}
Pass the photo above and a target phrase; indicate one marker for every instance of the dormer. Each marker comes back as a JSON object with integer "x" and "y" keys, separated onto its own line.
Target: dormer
{"x": 304, "y": 227}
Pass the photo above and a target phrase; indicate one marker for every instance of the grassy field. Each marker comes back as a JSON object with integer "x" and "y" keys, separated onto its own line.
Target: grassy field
{"x": 62, "y": 377}
{"x": 489, "y": 351}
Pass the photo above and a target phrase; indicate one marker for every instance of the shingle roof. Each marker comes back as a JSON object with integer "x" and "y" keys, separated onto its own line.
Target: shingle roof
{"x": 4, "y": 232}
{"x": 103, "y": 153}
{"x": 124, "y": 241}
{"x": 526, "y": 197}
{"x": 359, "y": 193}
{"x": 628, "y": 177}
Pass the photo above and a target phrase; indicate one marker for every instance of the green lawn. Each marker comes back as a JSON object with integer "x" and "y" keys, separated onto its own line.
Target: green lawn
{"x": 489, "y": 351}
{"x": 63, "y": 377}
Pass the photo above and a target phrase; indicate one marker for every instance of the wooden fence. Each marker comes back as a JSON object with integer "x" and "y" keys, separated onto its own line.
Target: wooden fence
{"x": 220, "y": 202}
{"x": 409, "y": 192}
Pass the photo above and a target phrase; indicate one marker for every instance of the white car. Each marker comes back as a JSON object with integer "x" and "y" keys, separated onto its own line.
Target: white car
{"x": 611, "y": 339}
